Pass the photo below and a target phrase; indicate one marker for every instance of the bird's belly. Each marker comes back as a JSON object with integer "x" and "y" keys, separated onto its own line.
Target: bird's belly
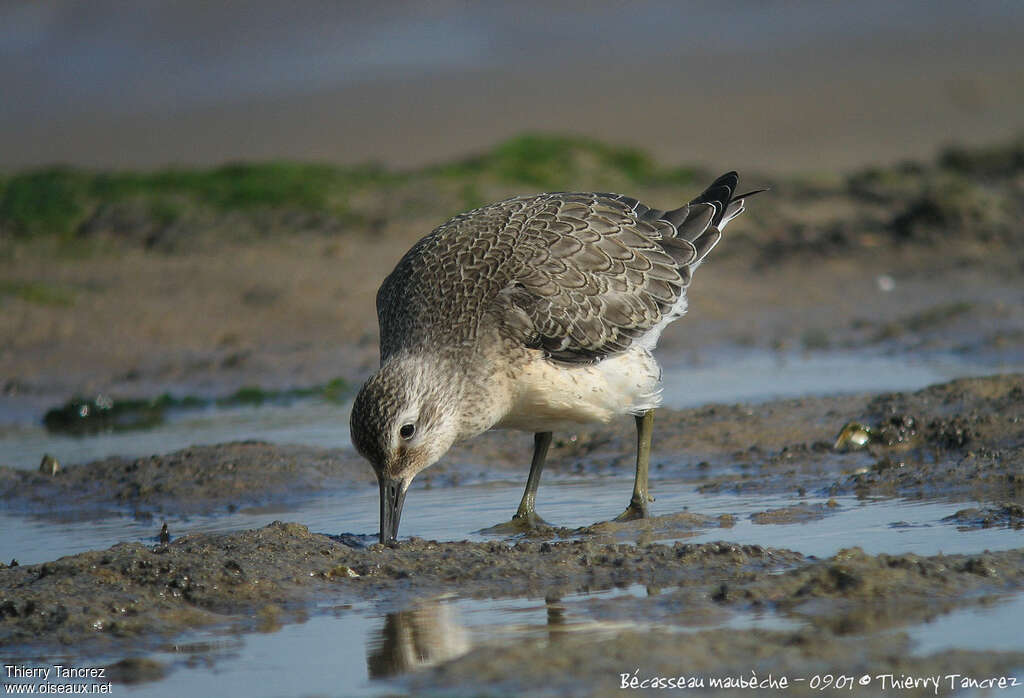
{"x": 550, "y": 396}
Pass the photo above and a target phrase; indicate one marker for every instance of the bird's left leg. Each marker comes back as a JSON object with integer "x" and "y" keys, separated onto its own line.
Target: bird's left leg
{"x": 637, "y": 508}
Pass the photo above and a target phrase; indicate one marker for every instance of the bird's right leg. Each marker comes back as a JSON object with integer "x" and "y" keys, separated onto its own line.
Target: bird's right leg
{"x": 527, "y": 512}
{"x": 526, "y": 519}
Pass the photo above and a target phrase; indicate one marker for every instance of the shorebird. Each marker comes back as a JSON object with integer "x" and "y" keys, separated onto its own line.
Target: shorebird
{"x": 535, "y": 313}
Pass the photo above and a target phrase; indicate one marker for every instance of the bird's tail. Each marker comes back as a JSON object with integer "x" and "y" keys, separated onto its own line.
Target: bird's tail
{"x": 727, "y": 205}
{"x": 701, "y": 221}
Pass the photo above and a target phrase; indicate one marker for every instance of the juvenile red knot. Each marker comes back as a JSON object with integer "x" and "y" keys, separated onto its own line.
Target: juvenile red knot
{"x": 535, "y": 313}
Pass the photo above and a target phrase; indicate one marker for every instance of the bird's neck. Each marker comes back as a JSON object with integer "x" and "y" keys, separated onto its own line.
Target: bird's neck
{"x": 485, "y": 397}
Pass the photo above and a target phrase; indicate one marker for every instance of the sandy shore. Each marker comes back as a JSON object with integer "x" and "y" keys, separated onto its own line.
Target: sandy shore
{"x": 784, "y": 87}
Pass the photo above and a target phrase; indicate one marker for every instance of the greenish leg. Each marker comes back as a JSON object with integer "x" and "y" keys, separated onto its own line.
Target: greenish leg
{"x": 637, "y": 508}
{"x": 527, "y": 512}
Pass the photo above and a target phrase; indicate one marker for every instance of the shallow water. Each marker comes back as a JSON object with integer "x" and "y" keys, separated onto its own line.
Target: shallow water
{"x": 888, "y": 525}
{"x": 738, "y": 376}
{"x": 992, "y": 625}
{"x": 759, "y": 376}
{"x": 308, "y": 422}
{"x": 355, "y": 649}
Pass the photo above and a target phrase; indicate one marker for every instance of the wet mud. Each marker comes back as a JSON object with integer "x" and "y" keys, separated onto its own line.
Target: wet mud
{"x": 958, "y": 440}
{"x": 133, "y": 597}
{"x": 1007, "y": 515}
{"x": 196, "y": 480}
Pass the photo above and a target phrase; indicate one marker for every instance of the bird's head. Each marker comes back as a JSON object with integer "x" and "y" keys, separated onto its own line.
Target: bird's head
{"x": 403, "y": 420}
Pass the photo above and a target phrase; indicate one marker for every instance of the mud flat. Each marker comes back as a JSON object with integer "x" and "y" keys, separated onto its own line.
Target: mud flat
{"x": 847, "y": 614}
{"x": 132, "y": 597}
{"x": 197, "y": 480}
{"x": 915, "y": 260}
{"x": 957, "y": 440}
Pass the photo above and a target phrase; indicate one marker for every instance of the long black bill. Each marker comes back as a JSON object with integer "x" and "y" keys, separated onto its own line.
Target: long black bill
{"x": 392, "y": 497}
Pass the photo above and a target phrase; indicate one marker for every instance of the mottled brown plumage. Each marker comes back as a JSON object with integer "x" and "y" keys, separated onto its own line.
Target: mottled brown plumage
{"x": 578, "y": 275}
{"x": 529, "y": 312}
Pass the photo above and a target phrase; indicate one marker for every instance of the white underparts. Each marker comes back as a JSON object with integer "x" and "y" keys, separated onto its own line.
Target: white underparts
{"x": 551, "y": 396}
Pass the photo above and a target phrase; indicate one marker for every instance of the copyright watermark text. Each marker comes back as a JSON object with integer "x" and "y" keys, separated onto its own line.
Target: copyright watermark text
{"x": 937, "y": 683}
{"x": 54, "y": 679}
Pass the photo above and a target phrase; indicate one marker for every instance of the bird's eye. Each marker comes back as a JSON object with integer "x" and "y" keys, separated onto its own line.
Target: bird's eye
{"x": 407, "y": 431}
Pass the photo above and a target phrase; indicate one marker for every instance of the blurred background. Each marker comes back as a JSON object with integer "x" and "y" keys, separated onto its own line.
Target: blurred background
{"x": 781, "y": 85}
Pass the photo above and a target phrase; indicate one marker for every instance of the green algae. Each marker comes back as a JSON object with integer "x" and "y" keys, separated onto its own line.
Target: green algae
{"x": 84, "y": 415}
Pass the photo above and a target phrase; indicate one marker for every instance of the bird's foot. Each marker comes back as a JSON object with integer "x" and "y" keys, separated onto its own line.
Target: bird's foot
{"x": 635, "y": 510}
{"x": 522, "y": 522}
{"x": 530, "y": 519}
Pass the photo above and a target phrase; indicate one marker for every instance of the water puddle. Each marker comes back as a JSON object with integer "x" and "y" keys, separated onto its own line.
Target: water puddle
{"x": 359, "y": 650}
{"x": 355, "y": 649}
{"x": 758, "y": 376}
{"x": 891, "y": 525}
{"x": 312, "y": 422}
{"x": 325, "y": 655}
{"x": 736, "y": 376}
{"x": 992, "y": 625}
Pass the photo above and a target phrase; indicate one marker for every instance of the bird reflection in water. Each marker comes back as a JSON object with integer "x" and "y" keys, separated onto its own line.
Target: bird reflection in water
{"x": 416, "y": 639}
{"x": 430, "y": 633}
